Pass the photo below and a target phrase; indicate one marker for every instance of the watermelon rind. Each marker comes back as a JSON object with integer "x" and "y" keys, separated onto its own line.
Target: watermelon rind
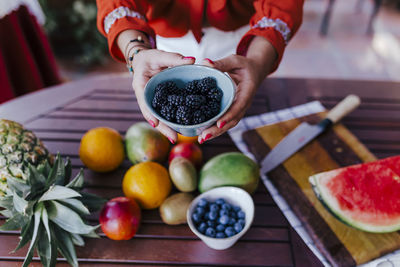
{"x": 332, "y": 205}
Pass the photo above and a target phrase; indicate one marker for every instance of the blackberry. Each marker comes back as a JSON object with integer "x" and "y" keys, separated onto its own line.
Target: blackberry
{"x": 176, "y": 100}
{"x": 168, "y": 112}
{"x": 214, "y": 94}
{"x": 191, "y": 88}
{"x": 170, "y": 88}
{"x": 159, "y": 99}
{"x": 183, "y": 115}
{"x": 210, "y": 110}
{"x": 198, "y": 117}
{"x": 195, "y": 101}
{"x": 207, "y": 83}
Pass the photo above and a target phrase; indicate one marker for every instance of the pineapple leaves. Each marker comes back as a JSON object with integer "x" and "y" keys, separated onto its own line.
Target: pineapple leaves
{"x": 44, "y": 249}
{"x": 77, "y": 240}
{"x": 7, "y": 202}
{"x": 20, "y": 204}
{"x": 58, "y": 192}
{"x": 75, "y": 205}
{"x": 77, "y": 182}
{"x": 14, "y": 223}
{"x": 29, "y": 255}
{"x": 18, "y": 186}
{"x": 65, "y": 245}
{"x": 26, "y": 235}
{"x": 45, "y": 220}
{"x": 68, "y": 219}
{"x": 92, "y": 202}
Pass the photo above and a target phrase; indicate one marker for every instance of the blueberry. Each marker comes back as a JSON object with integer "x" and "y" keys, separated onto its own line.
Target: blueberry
{"x": 229, "y": 231}
{"x": 211, "y": 224}
{"x": 242, "y": 222}
{"x": 214, "y": 207}
{"x": 241, "y": 215}
{"x": 210, "y": 232}
{"x": 202, "y": 227}
{"x": 226, "y": 206}
{"x": 224, "y": 219}
{"x": 200, "y": 211}
{"x": 224, "y": 212}
{"x": 206, "y": 216}
{"x": 203, "y": 202}
{"x": 236, "y": 208}
{"x": 232, "y": 214}
{"x": 220, "y": 228}
{"x": 196, "y": 217}
{"x": 238, "y": 227}
{"x": 232, "y": 221}
{"x": 220, "y": 201}
{"x": 220, "y": 235}
{"x": 213, "y": 215}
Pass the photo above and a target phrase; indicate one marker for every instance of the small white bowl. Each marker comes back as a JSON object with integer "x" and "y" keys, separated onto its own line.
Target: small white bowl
{"x": 234, "y": 196}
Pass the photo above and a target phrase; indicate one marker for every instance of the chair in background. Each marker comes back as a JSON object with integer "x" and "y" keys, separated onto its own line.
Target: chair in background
{"x": 27, "y": 63}
{"x": 327, "y": 15}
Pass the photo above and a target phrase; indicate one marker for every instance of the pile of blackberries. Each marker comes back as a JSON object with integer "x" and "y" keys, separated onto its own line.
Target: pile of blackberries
{"x": 218, "y": 218}
{"x": 197, "y": 102}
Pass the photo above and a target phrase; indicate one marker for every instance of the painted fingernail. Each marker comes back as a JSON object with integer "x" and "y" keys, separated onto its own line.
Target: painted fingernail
{"x": 209, "y": 60}
{"x": 189, "y": 58}
{"x": 152, "y": 123}
{"x": 201, "y": 141}
{"x": 208, "y": 136}
{"x": 171, "y": 140}
{"x": 222, "y": 124}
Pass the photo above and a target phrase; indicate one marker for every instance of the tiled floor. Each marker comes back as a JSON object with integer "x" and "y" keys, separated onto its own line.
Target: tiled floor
{"x": 345, "y": 53}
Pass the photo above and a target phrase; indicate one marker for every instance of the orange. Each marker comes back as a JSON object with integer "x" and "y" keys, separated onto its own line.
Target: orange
{"x": 148, "y": 183}
{"x": 102, "y": 149}
{"x": 186, "y": 139}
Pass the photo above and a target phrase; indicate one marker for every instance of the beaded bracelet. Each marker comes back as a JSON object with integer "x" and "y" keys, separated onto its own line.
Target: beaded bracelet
{"x": 129, "y": 59}
{"x": 139, "y": 39}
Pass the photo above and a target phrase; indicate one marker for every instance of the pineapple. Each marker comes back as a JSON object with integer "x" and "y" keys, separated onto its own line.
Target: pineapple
{"x": 40, "y": 199}
{"x": 18, "y": 145}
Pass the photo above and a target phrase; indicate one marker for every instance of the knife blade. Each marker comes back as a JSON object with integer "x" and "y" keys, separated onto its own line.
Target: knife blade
{"x": 305, "y": 132}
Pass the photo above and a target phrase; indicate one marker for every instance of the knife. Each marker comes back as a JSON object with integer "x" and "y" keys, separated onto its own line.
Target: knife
{"x": 305, "y": 132}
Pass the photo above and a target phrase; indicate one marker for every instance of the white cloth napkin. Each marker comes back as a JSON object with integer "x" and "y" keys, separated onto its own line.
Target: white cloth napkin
{"x": 248, "y": 123}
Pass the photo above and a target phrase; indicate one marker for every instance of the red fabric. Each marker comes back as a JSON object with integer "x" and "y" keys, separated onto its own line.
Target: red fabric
{"x": 26, "y": 60}
{"x": 174, "y": 18}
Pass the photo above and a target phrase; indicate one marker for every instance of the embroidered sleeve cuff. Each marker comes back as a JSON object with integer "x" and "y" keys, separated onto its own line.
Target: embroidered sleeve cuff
{"x": 273, "y": 36}
{"x": 127, "y": 23}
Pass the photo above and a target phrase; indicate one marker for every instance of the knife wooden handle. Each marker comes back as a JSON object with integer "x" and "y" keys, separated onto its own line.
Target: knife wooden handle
{"x": 343, "y": 108}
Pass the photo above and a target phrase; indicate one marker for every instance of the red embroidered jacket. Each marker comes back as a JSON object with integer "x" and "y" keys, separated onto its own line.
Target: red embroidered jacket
{"x": 275, "y": 20}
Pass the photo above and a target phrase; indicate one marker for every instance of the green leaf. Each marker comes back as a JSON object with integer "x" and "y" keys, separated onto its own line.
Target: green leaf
{"x": 77, "y": 182}
{"x": 14, "y": 223}
{"x": 20, "y": 204}
{"x": 37, "y": 183}
{"x": 18, "y": 185}
{"x": 52, "y": 174}
{"x": 58, "y": 192}
{"x": 67, "y": 219}
{"x": 92, "y": 234}
{"x": 75, "y": 205}
{"x": 92, "y": 202}
{"x": 77, "y": 240}
{"x": 44, "y": 249}
{"x": 68, "y": 170}
{"x": 45, "y": 220}
{"x": 36, "y": 226}
{"x": 60, "y": 172}
{"x": 66, "y": 246}
{"x": 6, "y": 213}
{"x": 26, "y": 235}
{"x": 7, "y": 202}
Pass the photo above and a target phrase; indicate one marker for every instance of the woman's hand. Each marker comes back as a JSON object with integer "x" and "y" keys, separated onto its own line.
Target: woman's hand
{"x": 146, "y": 64}
{"x": 248, "y": 73}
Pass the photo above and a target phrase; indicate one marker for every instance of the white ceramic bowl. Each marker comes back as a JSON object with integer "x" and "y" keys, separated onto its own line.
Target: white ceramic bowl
{"x": 181, "y": 75}
{"x": 233, "y": 195}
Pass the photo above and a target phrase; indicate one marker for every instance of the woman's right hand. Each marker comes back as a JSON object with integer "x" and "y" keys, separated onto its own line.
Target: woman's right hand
{"x": 146, "y": 64}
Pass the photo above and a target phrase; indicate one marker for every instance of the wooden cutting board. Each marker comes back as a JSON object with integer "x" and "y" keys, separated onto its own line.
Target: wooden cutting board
{"x": 338, "y": 147}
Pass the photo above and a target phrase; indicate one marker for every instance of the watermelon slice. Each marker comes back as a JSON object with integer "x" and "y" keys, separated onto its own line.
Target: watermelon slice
{"x": 365, "y": 196}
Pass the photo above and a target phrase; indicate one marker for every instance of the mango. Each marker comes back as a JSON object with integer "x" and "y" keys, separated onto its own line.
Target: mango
{"x": 230, "y": 169}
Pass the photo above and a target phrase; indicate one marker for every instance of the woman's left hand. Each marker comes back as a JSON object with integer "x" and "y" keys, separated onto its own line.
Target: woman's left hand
{"x": 248, "y": 73}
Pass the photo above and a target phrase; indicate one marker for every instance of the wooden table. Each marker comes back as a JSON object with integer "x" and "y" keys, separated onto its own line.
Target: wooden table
{"x": 62, "y": 114}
